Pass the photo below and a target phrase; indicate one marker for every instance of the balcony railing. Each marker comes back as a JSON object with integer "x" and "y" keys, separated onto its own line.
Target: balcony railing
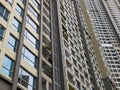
{"x": 47, "y": 53}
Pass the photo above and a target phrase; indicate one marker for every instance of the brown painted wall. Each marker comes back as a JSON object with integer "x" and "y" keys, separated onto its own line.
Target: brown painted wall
{"x": 4, "y": 85}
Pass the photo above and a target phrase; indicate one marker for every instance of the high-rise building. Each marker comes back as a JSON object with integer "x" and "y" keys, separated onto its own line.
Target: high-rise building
{"x": 59, "y": 45}
{"x": 103, "y": 19}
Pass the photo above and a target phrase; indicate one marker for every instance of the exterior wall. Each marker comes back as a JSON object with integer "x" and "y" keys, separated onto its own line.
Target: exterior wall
{"x": 66, "y": 52}
{"x": 105, "y": 34}
{"x": 5, "y": 85}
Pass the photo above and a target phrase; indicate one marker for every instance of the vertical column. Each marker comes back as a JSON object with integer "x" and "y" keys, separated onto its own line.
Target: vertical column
{"x": 59, "y": 82}
{"x": 47, "y": 85}
{"x": 18, "y": 56}
{"x": 40, "y": 47}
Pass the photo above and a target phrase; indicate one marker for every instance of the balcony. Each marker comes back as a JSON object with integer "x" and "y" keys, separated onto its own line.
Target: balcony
{"x": 47, "y": 53}
{"x": 65, "y": 35}
{"x": 46, "y": 85}
{"x": 47, "y": 70}
{"x": 70, "y": 78}
{"x": 69, "y": 66}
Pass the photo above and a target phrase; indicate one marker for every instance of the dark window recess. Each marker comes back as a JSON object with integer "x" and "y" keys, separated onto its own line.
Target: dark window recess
{"x": 47, "y": 70}
{"x": 4, "y": 13}
{"x": 2, "y": 29}
{"x": 9, "y": 1}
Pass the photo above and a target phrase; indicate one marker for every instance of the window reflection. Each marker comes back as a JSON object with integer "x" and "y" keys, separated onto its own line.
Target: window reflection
{"x": 31, "y": 39}
{"x": 19, "y": 10}
{"x": 12, "y": 43}
{"x": 16, "y": 25}
{"x": 32, "y": 10}
{"x": 9, "y": 1}
{"x": 29, "y": 57}
{"x": 26, "y": 79}
{"x": 4, "y": 13}
{"x": 7, "y": 66}
{"x": 32, "y": 23}
{"x": 1, "y": 32}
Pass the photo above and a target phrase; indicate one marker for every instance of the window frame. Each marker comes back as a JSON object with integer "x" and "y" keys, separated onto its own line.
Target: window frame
{"x": 9, "y": 1}
{"x": 21, "y": 79}
{"x": 31, "y": 22}
{"x": 1, "y": 34}
{"x": 33, "y": 11}
{"x": 27, "y": 59}
{"x": 18, "y": 7}
{"x": 4, "y": 12}
{"x": 17, "y": 28}
{"x": 10, "y": 70}
{"x": 26, "y": 34}
{"x": 14, "y": 48}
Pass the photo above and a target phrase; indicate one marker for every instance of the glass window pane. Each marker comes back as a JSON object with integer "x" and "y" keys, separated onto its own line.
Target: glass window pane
{"x": 33, "y": 11}
{"x": 6, "y": 72}
{"x": 12, "y": 43}
{"x": 34, "y": 26}
{"x": 30, "y": 38}
{"x": 1, "y": 32}
{"x": 35, "y": 2}
{"x": 29, "y": 57}
{"x": 19, "y": 10}
{"x": 9, "y": 1}
{"x": 26, "y": 79}
{"x": 16, "y": 24}
{"x": 7, "y": 66}
{"x": 23, "y": 1}
{"x": 4, "y": 12}
{"x": 1, "y": 10}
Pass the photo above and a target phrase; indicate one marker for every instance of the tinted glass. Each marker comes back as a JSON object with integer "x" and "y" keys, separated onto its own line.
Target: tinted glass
{"x": 12, "y": 43}
{"x": 1, "y": 32}
{"x": 30, "y": 38}
{"x": 27, "y": 80}
{"x": 7, "y": 67}
{"x": 29, "y": 57}
{"x": 19, "y": 10}
{"x": 16, "y": 24}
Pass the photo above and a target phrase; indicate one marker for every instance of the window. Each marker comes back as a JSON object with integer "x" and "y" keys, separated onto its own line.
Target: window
{"x": 31, "y": 39}
{"x": 32, "y": 23}
{"x": 46, "y": 31}
{"x": 16, "y": 25}
{"x": 19, "y": 10}
{"x": 46, "y": 22}
{"x": 46, "y": 13}
{"x": 23, "y": 1}
{"x": 2, "y": 29}
{"x": 9, "y": 1}
{"x": 12, "y": 43}
{"x": 78, "y": 84}
{"x": 83, "y": 88}
{"x": 48, "y": 1}
{"x": 27, "y": 80}
{"x": 45, "y": 5}
{"x": 29, "y": 57}
{"x": 35, "y": 2}
{"x": 33, "y": 11}
{"x": 7, "y": 66}
{"x": 4, "y": 13}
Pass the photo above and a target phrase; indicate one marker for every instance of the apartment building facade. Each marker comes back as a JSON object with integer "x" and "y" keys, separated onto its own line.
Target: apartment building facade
{"x": 45, "y": 45}
{"x": 104, "y": 19}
